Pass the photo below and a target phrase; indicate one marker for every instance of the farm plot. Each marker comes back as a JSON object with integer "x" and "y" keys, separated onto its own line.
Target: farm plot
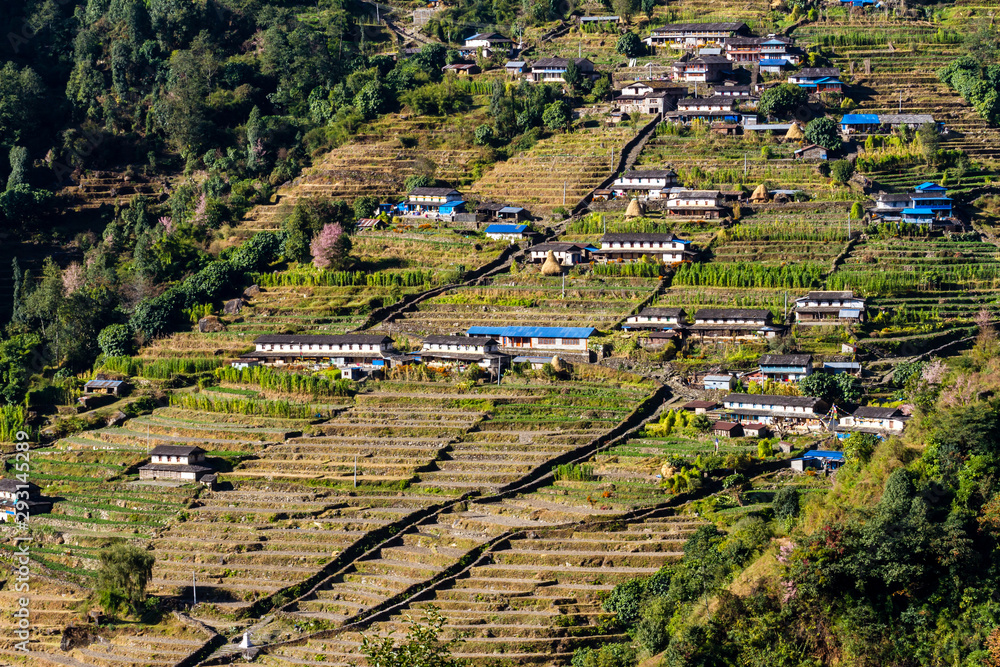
{"x": 529, "y": 298}
{"x": 905, "y": 58}
{"x": 708, "y": 161}
{"x": 921, "y": 287}
{"x": 377, "y": 162}
{"x": 524, "y": 426}
{"x": 535, "y": 600}
{"x": 558, "y": 171}
{"x": 54, "y": 604}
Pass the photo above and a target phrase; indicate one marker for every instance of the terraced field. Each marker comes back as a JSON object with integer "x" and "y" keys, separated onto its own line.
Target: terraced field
{"x": 532, "y": 598}
{"x": 556, "y": 172}
{"x": 377, "y": 162}
{"x": 528, "y": 298}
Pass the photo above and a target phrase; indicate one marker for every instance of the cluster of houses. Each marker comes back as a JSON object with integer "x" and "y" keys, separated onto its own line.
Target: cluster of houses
{"x": 489, "y": 347}
{"x": 759, "y": 415}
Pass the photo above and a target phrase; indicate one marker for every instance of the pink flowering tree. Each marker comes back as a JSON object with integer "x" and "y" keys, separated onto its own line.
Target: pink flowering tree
{"x": 330, "y": 247}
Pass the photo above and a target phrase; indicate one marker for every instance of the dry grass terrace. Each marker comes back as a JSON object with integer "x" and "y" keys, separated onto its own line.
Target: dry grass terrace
{"x": 574, "y": 162}
{"x": 534, "y": 601}
{"x": 528, "y": 297}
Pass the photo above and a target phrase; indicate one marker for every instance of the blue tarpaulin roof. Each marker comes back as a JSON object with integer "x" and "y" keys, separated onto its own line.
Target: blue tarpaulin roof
{"x": 506, "y": 229}
{"x": 534, "y": 332}
{"x": 773, "y": 62}
{"x": 860, "y": 119}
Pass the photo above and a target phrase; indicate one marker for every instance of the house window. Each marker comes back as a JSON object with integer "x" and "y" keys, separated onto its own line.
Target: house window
{"x": 548, "y": 341}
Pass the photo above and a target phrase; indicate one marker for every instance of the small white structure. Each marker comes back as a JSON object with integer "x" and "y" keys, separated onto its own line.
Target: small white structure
{"x": 819, "y": 307}
{"x": 506, "y": 232}
{"x": 567, "y": 254}
{"x": 568, "y": 339}
{"x": 716, "y": 382}
{"x": 175, "y": 462}
{"x": 701, "y": 203}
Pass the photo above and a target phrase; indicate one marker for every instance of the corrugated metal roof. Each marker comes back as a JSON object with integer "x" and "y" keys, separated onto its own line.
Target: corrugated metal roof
{"x": 773, "y": 62}
{"x": 919, "y": 211}
{"x": 506, "y": 229}
{"x": 534, "y": 332}
{"x": 849, "y": 312}
{"x": 103, "y": 384}
{"x": 510, "y": 209}
{"x": 859, "y": 119}
{"x": 823, "y": 454}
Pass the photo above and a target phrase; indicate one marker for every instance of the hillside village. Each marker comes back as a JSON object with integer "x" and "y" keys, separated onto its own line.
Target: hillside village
{"x": 562, "y": 340}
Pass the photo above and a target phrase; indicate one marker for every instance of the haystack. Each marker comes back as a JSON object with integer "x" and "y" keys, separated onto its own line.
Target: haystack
{"x": 795, "y": 133}
{"x": 760, "y": 194}
{"x": 551, "y": 266}
{"x": 634, "y": 209}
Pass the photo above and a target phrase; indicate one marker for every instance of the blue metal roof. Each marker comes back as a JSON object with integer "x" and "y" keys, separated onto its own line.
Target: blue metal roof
{"x": 510, "y": 209}
{"x": 773, "y": 62}
{"x": 860, "y": 119}
{"x": 842, "y": 364}
{"x": 506, "y": 229}
{"x": 104, "y": 384}
{"x": 918, "y": 211}
{"x": 824, "y": 454}
{"x": 534, "y": 332}
{"x": 928, "y": 185}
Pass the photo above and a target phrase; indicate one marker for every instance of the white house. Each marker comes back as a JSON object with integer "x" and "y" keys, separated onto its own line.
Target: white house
{"x": 822, "y": 307}
{"x": 719, "y": 382}
{"x": 335, "y": 349}
{"x": 461, "y": 350}
{"x": 701, "y": 203}
{"x": 734, "y": 323}
{"x": 567, "y": 254}
{"x": 656, "y": 318}
{"x": 667, "y": 248}
{"x": 693, "y": 35}
{"x": 786, "y": 367}
{"x": 553, "y": 70}
{"x": 489, "y": 42}
{"x": 645, "y": 184}
{"x": 874, "y": 420}
{"x": 803, "y": 411}
{"x": 175, "y": 462}
{"x": 713, "y": 103}
{"x": 14, "y": 491}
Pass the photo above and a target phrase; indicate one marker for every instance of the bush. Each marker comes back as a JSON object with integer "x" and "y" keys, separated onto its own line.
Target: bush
{"x": 651, "y": 631}
{"x": 823, "y": 132}
{"x": 609, "y": 655}
{"x": 116, "y": 341}
{"x": 786, "y": 502}
{"x": 624, "y": 601}
{"x": 841, "y": 171}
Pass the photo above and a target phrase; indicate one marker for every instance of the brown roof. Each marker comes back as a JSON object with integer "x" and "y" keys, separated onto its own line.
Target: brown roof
{"x": 725, "y": 426}
{"x": 700, "y": 405}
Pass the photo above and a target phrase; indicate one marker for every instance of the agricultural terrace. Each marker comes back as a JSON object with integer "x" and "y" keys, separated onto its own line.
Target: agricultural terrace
{"x": 921, "y": 287}
{"x": 905, "y": 56}
{"x": 591, "y": 227}
{"x": 704, "y": 160}
{"x": 556, "y": 172}
{"x": 377, "y": 160}
{"x": 406, "y": 259}
{"x": 539, "y": 592}
{"x": 528, "y": 297}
